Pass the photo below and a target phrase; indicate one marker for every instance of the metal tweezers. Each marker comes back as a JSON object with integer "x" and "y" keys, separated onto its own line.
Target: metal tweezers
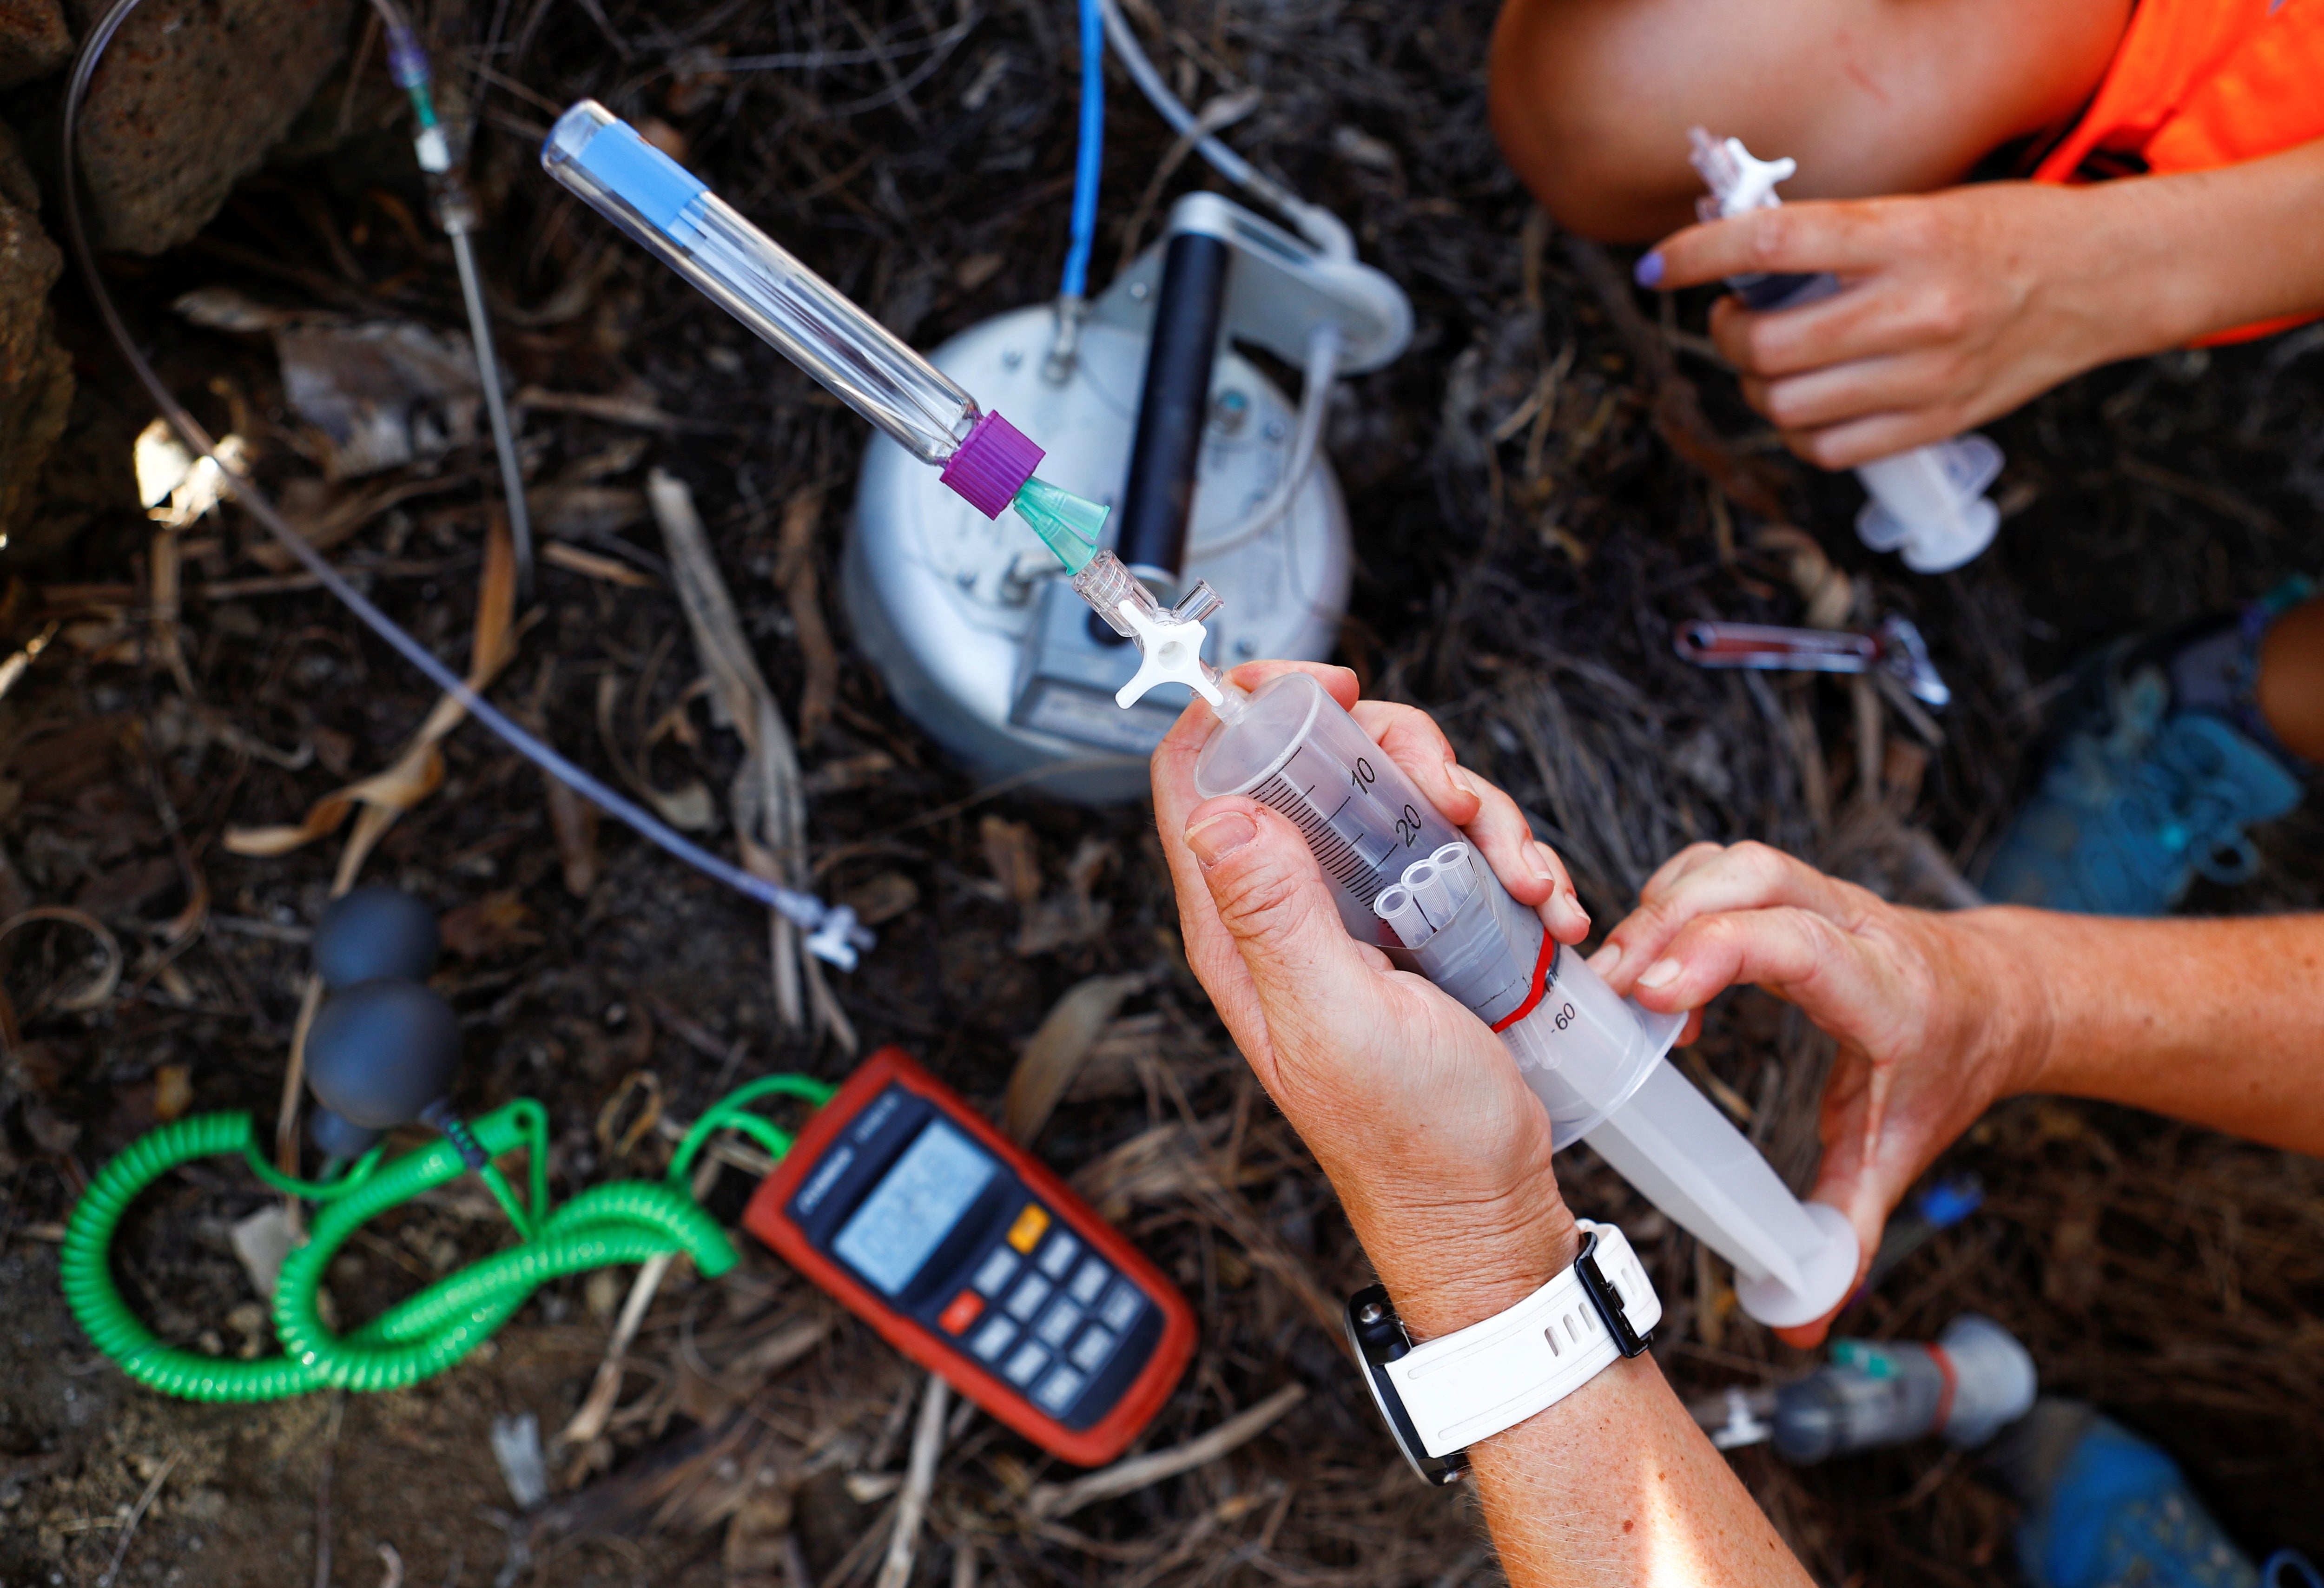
{"x": 1895, "y": 648}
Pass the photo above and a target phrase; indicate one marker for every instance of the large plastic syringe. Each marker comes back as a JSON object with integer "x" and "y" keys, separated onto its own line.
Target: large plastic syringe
{"x": 1404, "y": 880}
{"x": 1929, "y": 503}
{"x": 675, "y": 215}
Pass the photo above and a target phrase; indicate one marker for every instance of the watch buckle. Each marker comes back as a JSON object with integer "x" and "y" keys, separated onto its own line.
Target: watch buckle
{"x": 1607, "y": 1299}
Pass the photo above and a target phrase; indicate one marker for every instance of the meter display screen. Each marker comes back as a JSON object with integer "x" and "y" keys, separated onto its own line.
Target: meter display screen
{"x": 910, "y": 1212}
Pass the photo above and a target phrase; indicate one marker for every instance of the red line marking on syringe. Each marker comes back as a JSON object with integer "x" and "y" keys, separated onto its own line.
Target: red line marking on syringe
{"x": 1541, "y": 962}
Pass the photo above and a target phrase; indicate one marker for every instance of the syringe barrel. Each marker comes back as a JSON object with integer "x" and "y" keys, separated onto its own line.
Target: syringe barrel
{"x": 673, "y": 214}
{"x": 1296, "y": 750}
{"x": 1581, "y": 1049}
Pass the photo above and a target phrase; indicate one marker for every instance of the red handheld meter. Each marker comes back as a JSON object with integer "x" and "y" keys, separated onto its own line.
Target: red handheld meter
{"x": 974, "y": 1260}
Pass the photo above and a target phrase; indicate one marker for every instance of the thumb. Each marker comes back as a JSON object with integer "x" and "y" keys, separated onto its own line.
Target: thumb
{"x": 1856, "y": 1177}
{"x": 1273, "y": 900}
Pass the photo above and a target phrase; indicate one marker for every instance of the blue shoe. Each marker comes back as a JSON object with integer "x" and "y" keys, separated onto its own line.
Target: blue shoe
{"x": 2142, "y": 795}
{"x": 2103, "y": 1508}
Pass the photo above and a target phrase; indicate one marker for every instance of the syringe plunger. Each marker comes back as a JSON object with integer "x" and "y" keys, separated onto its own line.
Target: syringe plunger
{"x": 1596, "y": 1061}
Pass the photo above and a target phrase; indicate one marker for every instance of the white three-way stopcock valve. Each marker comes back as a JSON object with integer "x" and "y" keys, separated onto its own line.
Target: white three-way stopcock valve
{"x": 1170, "y": 645}
{"x": 1169, "y": 639}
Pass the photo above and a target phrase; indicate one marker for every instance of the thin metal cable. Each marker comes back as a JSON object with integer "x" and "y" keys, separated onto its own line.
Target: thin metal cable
{"x": 835, "y": 934}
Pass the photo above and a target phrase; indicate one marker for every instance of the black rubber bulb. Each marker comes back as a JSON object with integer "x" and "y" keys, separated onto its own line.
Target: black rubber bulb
{"x": 375, "y": 932}
{"x": 335, "y": 1138}
{"x": 382, "y": 1051}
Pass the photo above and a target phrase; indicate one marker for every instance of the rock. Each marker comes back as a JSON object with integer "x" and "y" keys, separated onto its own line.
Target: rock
{"x": 33, "y": 40}
{"x": 36, "y": 383}
{"x": 190, "y": 95}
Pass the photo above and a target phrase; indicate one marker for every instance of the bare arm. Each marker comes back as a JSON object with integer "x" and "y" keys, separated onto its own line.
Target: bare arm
{"x": 1938, "y": 1016}
{"x": 2220, "y": 1022}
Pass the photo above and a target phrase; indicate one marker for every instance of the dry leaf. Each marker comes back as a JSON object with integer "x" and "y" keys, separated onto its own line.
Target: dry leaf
{"x": 1045, "y": 1069}
{"x": 493, "y": 924}
{"x": 1014, "y": 857}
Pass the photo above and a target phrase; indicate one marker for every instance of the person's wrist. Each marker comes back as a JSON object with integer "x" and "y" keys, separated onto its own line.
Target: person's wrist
{"x": 2010, "y": 1036}
{"x": 1448, "y": 1268}
{"x": 2139, "y": 288}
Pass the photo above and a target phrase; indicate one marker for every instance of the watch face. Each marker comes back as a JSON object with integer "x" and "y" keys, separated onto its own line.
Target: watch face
{"x": 1378, "y": 1338}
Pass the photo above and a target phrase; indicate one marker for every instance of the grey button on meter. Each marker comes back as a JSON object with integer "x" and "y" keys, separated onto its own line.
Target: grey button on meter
{"x": 1057, "y": 1256}
{"x": 1030, "y": 1296}
{"x": 1093, "y": 1348}
{"x": 1057, "y": 1390}
{"x": 1027, "y": 1364}
{"x": 993, "y": 1274}
{"x": 1057, "y": 1326}
{"x": 1090, "y": 1282}
{"x": 1121, "y": 1306}
{"x": 993, "y": 1338}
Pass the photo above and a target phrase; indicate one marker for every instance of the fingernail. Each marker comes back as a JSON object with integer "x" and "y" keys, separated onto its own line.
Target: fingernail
{"x": 1215, "y": 838}
{"x": 1608, "y": 957}
{"x": 1459, "y": 779}
{"x": 1661, "y": 973}
{"x": 1648, "y": 271}
{"x": 1569, "y": 912}
{"x": 1544, "y": 863}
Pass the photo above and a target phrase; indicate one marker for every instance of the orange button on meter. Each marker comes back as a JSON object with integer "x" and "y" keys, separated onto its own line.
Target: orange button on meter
{"x": 1026, "y": 1234}
{"x": 961, "y": 1312}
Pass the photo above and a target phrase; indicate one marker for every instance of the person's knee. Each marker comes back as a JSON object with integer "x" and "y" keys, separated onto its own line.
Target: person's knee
{"x": 1570, "y": 88}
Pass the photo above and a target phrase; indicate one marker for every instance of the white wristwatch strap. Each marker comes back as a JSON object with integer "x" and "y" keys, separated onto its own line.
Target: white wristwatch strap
{"x": 1476, "y": 1382}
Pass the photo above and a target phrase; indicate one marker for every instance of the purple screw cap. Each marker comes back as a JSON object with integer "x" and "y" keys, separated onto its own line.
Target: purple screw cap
{"x": 992, "y": 465}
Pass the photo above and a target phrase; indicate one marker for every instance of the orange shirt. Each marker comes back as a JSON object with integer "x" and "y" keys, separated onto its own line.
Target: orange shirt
{"x": 2199, "y": 84}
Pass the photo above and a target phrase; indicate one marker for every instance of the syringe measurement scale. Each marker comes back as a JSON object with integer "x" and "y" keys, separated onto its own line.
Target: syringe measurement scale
{"x": 1339, "y": 846}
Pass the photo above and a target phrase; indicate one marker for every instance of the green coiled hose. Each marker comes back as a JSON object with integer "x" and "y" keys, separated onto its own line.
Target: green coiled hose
{"x": 630, "y": 1220}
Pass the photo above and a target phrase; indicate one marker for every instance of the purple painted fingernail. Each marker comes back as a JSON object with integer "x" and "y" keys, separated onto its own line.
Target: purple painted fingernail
{"x": 1648, "y": 271}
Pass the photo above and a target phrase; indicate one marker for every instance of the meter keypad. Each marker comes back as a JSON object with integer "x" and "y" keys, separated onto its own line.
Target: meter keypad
{"x": 933, "y": 1221}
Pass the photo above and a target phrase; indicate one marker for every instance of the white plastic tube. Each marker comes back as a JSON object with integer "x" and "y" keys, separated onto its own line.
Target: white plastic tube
{"x": 1597, "y": 1063}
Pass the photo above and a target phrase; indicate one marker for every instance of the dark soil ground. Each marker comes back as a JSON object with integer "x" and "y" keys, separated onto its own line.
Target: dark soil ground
{"x": 1521, "y": 581}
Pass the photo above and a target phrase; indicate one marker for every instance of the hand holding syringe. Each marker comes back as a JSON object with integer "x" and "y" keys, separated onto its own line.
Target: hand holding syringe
{"x": 1407, "y": 881}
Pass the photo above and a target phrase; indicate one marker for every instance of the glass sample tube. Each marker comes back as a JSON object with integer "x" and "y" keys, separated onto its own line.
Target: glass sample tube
{"x": 669, "y": 210}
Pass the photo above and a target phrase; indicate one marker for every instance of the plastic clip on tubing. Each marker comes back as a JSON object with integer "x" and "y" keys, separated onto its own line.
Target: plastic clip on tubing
{"x": 627, "y": 1222}
{"x": 833, "y": 933}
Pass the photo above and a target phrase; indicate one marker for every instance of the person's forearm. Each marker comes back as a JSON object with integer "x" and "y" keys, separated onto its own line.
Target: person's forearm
{"x": 1613, "y": 1485}
{"x": 2198, "y": 252}
{"x": 2220, "y": 1022}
